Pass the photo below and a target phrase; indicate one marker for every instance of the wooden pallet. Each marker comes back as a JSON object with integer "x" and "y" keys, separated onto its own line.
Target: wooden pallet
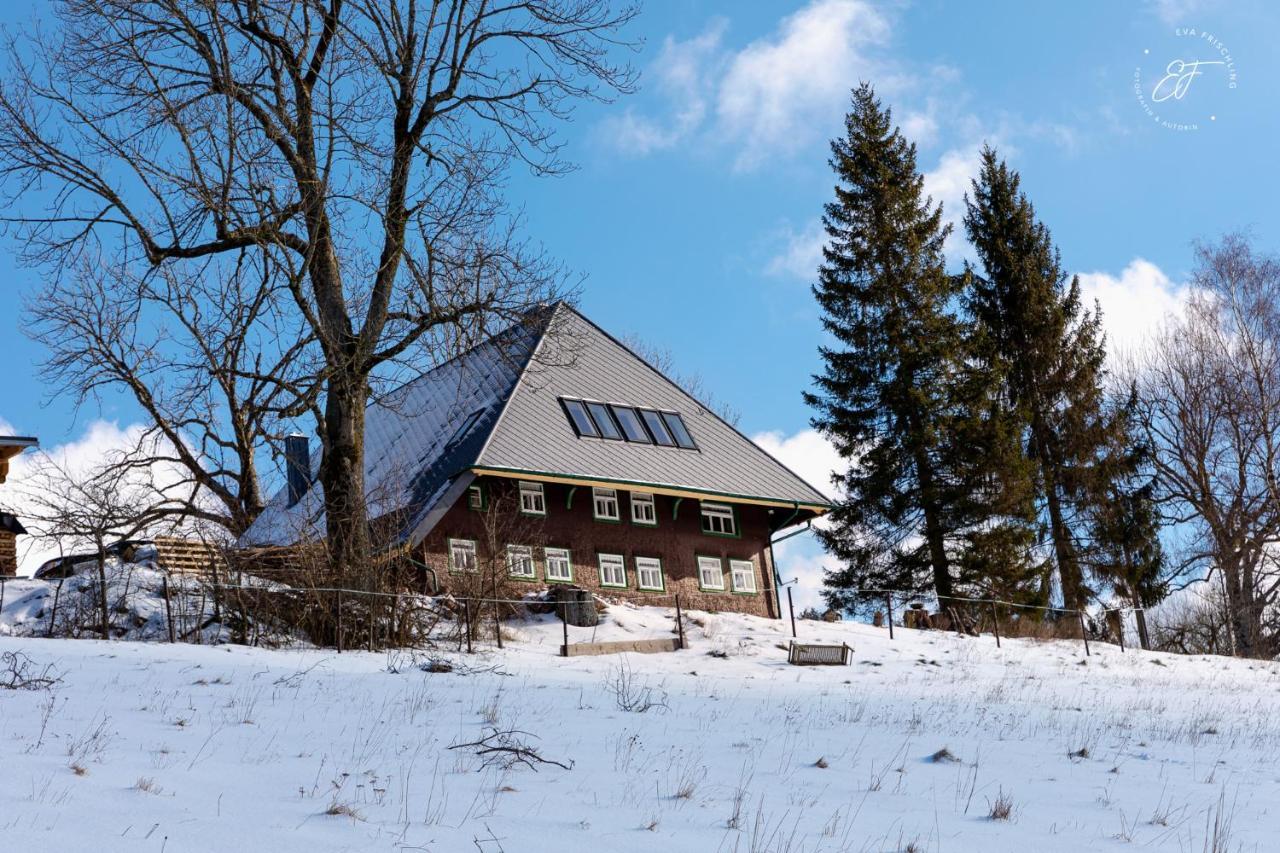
{"x": 619, "y": 647}
{"x": 189, "y": 557}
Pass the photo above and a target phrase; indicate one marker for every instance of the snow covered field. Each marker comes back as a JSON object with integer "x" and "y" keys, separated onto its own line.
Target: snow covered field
{"x": 157, "y": 747}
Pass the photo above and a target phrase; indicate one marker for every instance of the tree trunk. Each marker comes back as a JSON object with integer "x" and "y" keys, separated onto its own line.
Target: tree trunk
{"x": 104, "y": 611}
{"x": 933, "y": 530}
{"x": 1068, "y": 568}
{"x": 1063, "y": 550}
{"x": 342, "y": 475}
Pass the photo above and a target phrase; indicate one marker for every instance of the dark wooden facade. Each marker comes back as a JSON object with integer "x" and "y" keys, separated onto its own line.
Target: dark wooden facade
{"x": 677, "y": 540}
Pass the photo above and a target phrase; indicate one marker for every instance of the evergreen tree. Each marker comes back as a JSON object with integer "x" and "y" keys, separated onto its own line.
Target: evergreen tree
{"x": 899, "y": 396}
{"x": 1051, "y": 354}
{"x": 1126, "y": 522}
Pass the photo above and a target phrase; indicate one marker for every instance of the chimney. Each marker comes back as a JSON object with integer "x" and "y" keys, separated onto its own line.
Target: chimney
{"x": 297, "y": 460}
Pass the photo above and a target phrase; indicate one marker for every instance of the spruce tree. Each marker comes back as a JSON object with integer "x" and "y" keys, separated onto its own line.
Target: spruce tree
{"x": 1051, "y": 354}
{"x": 898, "y": 395}
{"x": 1125, "y": 521}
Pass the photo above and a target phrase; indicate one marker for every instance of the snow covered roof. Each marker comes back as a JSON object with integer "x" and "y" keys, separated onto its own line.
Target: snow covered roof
{"x": 498, "y": 410}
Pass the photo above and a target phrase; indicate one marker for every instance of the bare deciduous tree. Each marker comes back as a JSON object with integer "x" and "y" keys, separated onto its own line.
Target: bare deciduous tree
{"x": 208, "y": 355}
{"x": 112, "y": 500}
{"x": 1210, "y": 401}
{"x": 358, "y": 147}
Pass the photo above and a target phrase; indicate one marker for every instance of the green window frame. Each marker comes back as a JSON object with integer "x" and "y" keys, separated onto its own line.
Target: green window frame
{"x": 533, "y": 498}
{"x": 554, "y": 557}
{"x": 462, "y": 556}
{"x": 707, "y": 563}
{"x": 647, "y": 504}
{"x": 605, "y": 499}
{"x": 521, "y": 557}
{"x": 719, "y": 519}
{"x": 608, "y": 564}
{"x": 476, "y": 498}
{"x": 647, "y": 566}
{"x": 742, "y": 577}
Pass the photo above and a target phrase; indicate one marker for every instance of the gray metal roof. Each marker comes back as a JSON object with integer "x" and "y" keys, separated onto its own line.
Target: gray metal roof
{"x": 507, "y": 393}
{"x": 413, "y": 449}
{"x": 533, "y": 433}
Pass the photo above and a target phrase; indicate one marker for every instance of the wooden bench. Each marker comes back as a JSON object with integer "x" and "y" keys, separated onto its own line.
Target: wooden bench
{"x": 811, "y": 654}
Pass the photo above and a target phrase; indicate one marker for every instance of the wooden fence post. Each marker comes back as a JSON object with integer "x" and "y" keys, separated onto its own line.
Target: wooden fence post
{"x": 338, "y": 620}
{"x": 372, "y": 626}
{"x": 466, "y": 610}
{"x": 497, "y": 622}
{"x": 1084, "y": 635}
{"x": 888, "y": 611}
{"x": 791, "y": 605}
{"x": 995, "y": 623}
{"x": 53, "y": 614}
{"x": 168, "y": 607}
{"x": 679, "y": 623}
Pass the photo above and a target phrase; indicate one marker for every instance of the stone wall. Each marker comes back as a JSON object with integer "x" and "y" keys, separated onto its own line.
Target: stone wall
{"x": 677, "y": 540}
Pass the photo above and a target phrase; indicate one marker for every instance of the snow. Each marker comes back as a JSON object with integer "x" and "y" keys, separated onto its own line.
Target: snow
{"x": 185, "y": 747}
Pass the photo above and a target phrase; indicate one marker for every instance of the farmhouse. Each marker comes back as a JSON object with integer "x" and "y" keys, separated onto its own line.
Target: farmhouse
{"x": 553, "y": 454}
{"x": 10, "y": 527}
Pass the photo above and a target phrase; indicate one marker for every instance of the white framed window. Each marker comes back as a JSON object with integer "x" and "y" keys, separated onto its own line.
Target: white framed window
{"x": 475, "y": 497}
{"x": 710, "y": 573}
{"x": 742, "y": 574}
{"x": 558, "y": 565}
{"x": 613, "y": 570}
{"x": 718, "y": 519}
{"x": 643, "y": 509}
{"x": 604, "y": 504}
{"x": 532, "y": 499}
{"x": 649, "y": 574}
{"x": 520, "y": 562}
{"x": 462, "y": 555}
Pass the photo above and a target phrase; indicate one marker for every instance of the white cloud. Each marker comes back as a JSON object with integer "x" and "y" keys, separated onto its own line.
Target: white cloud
{"x": 802, "y": 560}
{"x": 947, "y": 183}
{"x": 921, "y": 127}
{"x": 1175, "y": 12}
{"x": 808, "y": 453}
{"x": 682, "y": 75}
{"x": 1133, "y": 303}
{"x": 776, "y": 94}
{"x": 801, "y": 253}
{"x": 778, "y": 88}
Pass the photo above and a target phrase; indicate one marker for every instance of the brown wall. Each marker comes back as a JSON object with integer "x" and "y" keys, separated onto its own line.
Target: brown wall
{"x": 677, "y": 542}
{"x": 8, "y": 553}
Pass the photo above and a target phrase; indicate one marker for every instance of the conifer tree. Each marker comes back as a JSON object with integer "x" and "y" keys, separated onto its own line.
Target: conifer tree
{"x": 1051, "y": 354}
{"x": 898, "y": 396}
{"x": 1125, "y": 521}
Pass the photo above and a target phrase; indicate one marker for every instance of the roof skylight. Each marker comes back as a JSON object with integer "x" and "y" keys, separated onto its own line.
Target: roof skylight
{"x": 615, "y": 421}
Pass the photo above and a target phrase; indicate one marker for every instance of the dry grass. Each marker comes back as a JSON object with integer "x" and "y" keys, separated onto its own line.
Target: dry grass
{"x": 1002, "y": 807}
{"x": 337, "y": 809}
{"x": 944, "y": 756}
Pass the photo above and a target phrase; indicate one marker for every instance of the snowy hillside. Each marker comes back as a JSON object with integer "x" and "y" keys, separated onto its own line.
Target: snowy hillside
{"x": 157, "y": 747}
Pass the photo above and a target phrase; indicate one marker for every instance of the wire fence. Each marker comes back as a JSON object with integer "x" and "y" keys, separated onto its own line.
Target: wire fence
{"x": 969, "y": 615}
{"x": 254, "y": 611}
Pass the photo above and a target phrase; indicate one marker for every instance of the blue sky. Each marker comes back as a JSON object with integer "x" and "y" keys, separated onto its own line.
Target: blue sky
{"x": 693, "y": 212}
